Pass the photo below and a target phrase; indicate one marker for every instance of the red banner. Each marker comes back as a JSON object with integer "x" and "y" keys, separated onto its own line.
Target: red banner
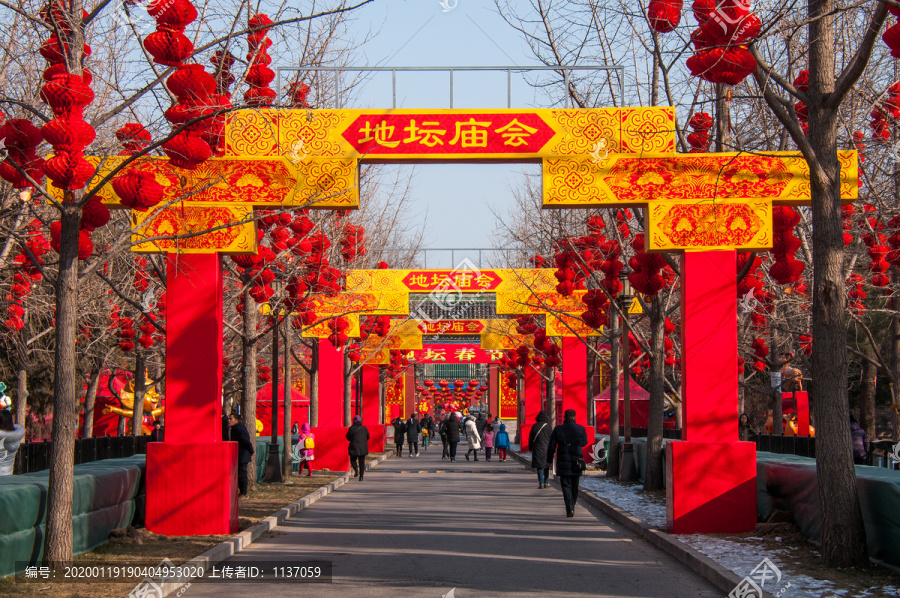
{"x": 463, "y": 280}
{"x": 456, "y": 354}
{"x": 452, "y": 327}
{"x": 457, "y": 133}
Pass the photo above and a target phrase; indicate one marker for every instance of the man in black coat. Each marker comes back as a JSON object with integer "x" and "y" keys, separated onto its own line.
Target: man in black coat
{"x": 246, "y": 450}
{"x": 566, "y": 443}
{"x": 399, "y": 433}
{"x": 480, "y": 425}
{"x": 358, "y": 436}
{"x": 413, "y": 430}
{"x": 452, "y": 428}
{"x": 442, "y": 430}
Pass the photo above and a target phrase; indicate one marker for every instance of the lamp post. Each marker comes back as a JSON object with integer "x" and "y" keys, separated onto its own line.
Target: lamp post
{"x": 273, "y": 465}
{"x": 628, "y": 468}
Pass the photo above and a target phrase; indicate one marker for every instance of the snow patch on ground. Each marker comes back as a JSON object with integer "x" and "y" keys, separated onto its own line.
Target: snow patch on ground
{"x": 740, "y": 557}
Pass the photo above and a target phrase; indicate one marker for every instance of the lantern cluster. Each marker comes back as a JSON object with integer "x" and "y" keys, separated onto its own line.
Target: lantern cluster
{"x": 352, "y": 243}
{"x": 338, "y": 327}
{"x": 891, "y": 36}
{"x": 760, "y": 350}
{"x": 191, "y": 84}
{"x": 856, "y": 293}
{"x": 126, "y": 333}
{"x": 801, "y": 83}
{"x": 597, "y": 313}
{"x": 377, "y": 325}
{"x": 136, "y": 186}
{"x": 21, "y": 139}
{"x": 263, "y": 373}
{"x": 806, "y": 341}
{"x": 785, "y": 269}
{"x": 720, "y": 43}
{"x": 259, "y": 75}
{"x": 67, "y": 95}
{"x": 398, "y": 362}
{"x": 878, "y": 265}
{"x": 147, "y": 328}
{"x": 646, "y": 276}
{"x": 698, "y": 139}
{"x": 27, "y": 270}
{"x": 299, "y": 92}
{"x": 552, "y": 353}
{"x": 663, "y": 15}
{"x": 880, "y": 123}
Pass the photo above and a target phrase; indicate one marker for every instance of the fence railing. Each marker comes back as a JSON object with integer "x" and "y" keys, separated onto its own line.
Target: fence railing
{"x": 35, "y": 456}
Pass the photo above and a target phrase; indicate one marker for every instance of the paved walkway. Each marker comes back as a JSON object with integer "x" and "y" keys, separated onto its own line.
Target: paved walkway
{"x": 421, "y": 527}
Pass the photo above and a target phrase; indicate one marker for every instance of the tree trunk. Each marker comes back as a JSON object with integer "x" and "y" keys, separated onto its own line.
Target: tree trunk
{"x": 140, "y": 387}
{"x": 550, "y": 399}
{"x": 348, "y": 390}
{"x": 287, "y": 459}
{"x": 382, "y": 395}
{"x": 724, "y": 141}
{"x": 843, "y": 533}
{"x": 867, "y": 389}
{"x": 58, "y": 541}
{"x": 612, "y": 458}
{"x": 314, "y": 384}
{"x": 895, "y": 367}
{"x": 90, "y": 399}
{"x": 653, "y": 476}
{"x": 248, "y": 377}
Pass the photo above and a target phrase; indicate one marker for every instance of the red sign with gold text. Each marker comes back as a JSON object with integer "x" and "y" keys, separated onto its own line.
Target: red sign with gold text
{"x": 467, "y": 281}
{"x": 456, "y": 354}
{"x": 452, "y": 327}
{"x": 442, "y": 133}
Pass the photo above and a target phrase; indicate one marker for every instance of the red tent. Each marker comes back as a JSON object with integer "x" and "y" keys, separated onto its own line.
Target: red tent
{"x": 299, "y": 408}
{"x": 640, "y": 407}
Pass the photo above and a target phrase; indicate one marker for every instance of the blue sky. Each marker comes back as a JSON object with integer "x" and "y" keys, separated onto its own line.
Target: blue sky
{"x": 452, "y": 199}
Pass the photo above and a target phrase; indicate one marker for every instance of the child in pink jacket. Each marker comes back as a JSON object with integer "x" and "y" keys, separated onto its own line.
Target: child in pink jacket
{"x": 488, "y": 442}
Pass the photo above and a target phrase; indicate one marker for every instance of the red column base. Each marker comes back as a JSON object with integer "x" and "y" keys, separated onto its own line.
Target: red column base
{"x": 710, "y": 487}
{"x": 331, "y": 449}
{"x": 376, "y": 438}
{"x": 524, "y": 435}
{"x": 192, "y": 488}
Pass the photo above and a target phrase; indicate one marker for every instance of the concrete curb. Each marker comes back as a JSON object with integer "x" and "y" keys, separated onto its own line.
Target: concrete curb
{"x": 242, "y": 540}
{"x": 723, "y": 578}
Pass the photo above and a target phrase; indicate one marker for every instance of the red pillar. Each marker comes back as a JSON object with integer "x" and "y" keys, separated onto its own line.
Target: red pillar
{"x": 494, "y": 389}
{"x": 192, "y": 476}
{"x": 409, "y": 403}
{"x": 533, "y": 403}
{"x": 711, "y": 477}
{"x": 575, "y": 395}
{"x": 331, "y": 444}
{"x": 371, "y": 408}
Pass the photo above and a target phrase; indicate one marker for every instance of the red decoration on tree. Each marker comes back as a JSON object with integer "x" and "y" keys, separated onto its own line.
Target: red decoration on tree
{"x": 259, "y": 75}
{"x": 664, "y": 15}
{"x": 701, "y": 123}
{"x": 785, "y": 269}
{"x": 720, "y": 41}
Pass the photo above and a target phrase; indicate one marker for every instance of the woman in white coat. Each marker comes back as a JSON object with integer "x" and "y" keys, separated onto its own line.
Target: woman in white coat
{"x": 472, "y": 438}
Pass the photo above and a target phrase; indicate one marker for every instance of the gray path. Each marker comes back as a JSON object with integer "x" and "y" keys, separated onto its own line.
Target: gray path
{"x": 421, "y": 527}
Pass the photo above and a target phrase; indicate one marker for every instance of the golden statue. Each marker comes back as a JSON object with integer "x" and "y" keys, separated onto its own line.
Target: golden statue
{"x": 126, "y": 398}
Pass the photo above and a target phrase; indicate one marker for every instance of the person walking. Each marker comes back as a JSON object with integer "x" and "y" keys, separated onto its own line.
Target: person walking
{"x": 501, "y": 441}
{"x": 306, "y": 443}
{"x": 473, "y": 439}
{"x": 399, "y": 433}
{"x": 11, "y": 436}
{"x": 442, "y": 432}
{"x": 413, "y": 429}
{"x": 860, "y": 441}
{"x": 488, "y": 439}
{"x": 358, "y": 436}
{"x": 159, "y": 432}
{"x": 246, "y": 451}
{"x": 538, "y": 441}
{"x": 495, "y": 424}
{"x": 452, "y": 429}
{"x": 480, "y": 425}
{"x": 566, "y": 442}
